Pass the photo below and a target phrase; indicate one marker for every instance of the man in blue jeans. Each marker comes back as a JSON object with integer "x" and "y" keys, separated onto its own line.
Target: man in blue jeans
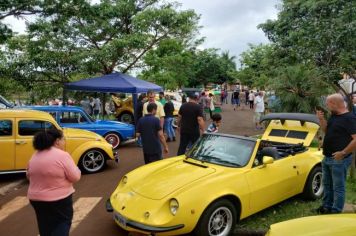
{"x": 339, "y": 143}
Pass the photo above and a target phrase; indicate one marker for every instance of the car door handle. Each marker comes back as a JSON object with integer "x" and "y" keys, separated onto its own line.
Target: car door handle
{"x": 20, "y": 142}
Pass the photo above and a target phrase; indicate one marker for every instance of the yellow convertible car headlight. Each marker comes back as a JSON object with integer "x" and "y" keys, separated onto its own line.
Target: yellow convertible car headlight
{"x": 173, "y": 206}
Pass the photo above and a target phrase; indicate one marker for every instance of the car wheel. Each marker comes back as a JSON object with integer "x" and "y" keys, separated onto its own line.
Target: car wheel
{"x": 219, "y": 219}
{"x": 126, "y": 117}
{"x": 92, "y": 161}
{"x": 313, "y": 188}
{"x": 113, "y": 139}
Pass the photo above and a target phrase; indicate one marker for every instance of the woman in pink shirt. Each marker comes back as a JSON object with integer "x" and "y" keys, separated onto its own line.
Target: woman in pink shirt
{"x": 52, "y": 172}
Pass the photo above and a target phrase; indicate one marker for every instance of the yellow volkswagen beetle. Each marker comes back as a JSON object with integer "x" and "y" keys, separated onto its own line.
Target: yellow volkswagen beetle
{"x": 325, "y": 225}
{"x": 17, "y": 128}
{"x": 221, "y": 179}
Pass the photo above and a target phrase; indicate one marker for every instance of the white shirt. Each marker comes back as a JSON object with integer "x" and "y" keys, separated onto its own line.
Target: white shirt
{"x": 251, "y": 97}
{"x": 259, "y": 104}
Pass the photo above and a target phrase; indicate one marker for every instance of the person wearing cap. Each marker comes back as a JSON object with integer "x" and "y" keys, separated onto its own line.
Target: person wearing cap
{"x": 190, "y": 123}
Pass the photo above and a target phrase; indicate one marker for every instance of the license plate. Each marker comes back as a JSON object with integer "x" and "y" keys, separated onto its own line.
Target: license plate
{"x": 120, "y": 219}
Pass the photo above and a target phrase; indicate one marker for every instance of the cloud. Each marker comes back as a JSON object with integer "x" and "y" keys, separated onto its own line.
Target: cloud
{"x": 232, "y": 24}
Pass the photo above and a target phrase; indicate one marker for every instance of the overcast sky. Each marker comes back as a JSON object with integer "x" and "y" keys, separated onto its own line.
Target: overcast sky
{"x": 227, "y": 24}
{"x": 232, "y": 24}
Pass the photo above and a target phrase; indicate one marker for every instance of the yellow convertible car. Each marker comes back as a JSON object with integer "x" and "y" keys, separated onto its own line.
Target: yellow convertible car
{"x": 325, "y": 225}
{"x": 17, "y": 128}
{"x": 221, "y": 179}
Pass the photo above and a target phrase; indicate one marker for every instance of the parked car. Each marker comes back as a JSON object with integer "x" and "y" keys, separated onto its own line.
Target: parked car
{"x": 17, "y": 127}
{"x": 124, "y": 111}
{"x": 221, "y": 179}
{"x": 114, "y": 132}
{"x": 325, "y": 225}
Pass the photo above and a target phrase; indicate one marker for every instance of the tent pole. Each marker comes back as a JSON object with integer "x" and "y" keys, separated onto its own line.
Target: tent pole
{"x": 134, "y": 100}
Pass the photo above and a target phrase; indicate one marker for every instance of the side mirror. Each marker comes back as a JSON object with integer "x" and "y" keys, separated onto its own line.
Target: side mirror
{"x": 267, "y": 160}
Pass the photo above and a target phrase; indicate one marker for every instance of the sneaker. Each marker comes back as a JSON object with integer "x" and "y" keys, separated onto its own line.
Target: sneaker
{"x": 322, "y": 210}
{"x": 174, "y": 139}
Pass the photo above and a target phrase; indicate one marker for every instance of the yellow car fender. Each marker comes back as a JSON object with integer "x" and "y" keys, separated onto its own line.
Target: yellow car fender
{"x": 80, "y": 150}
{"x": 238, "y": 196}
{"x": 306, "y": 165}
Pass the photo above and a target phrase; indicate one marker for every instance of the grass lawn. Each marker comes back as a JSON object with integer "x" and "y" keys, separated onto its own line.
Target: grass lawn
{"x": 289, "y": 209}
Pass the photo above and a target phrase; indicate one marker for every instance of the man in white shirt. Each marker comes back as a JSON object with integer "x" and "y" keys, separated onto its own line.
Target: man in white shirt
{"x": 259, "y": 109}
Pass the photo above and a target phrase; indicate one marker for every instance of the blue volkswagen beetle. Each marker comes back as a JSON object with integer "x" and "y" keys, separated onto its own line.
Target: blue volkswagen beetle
{"x": 75, "y": 117}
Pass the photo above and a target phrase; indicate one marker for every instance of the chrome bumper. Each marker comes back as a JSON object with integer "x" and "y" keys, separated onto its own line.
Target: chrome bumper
{"x": 143, "y": 227}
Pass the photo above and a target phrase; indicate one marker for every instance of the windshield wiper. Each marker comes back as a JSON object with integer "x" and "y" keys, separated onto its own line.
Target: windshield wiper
{"x": 219, "y": 161}
{"x": 195, "y": 164}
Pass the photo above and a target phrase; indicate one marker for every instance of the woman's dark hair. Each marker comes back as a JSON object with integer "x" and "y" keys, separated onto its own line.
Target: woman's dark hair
{"x": 45, "y": 139}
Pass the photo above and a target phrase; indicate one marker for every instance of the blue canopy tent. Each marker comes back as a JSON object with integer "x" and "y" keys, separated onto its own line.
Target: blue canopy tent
{"x": 115, "y": 82}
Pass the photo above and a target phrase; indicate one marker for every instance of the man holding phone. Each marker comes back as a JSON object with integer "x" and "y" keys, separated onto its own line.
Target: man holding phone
{"x": 339, "y": 143}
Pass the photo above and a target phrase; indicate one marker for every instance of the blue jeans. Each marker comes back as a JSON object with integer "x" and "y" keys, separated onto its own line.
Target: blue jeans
{"x": 334, "y": 180}
{"x": 168, "y": 127}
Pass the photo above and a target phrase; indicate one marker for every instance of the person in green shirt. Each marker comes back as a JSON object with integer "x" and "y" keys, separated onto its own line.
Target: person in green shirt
{"x": 161, "y": 99}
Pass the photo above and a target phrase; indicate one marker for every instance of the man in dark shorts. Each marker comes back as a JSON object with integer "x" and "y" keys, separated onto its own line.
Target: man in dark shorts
{"x": 190, "y": 123}
{"x": 151, "y": 133}
{"x": 339, "y": 143}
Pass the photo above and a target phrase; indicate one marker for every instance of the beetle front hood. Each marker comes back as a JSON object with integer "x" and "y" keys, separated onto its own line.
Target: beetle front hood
{"x": 162, "y": 182}
{"x": 79, "y": 133}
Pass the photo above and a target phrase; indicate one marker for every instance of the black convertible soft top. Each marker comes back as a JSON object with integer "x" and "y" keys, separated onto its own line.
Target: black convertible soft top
{"x": 302, "y": 117}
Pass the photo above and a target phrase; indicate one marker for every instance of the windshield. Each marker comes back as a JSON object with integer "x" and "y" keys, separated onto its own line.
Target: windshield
{"x": 89, "y": 117}
{"x": 226, "y": 151}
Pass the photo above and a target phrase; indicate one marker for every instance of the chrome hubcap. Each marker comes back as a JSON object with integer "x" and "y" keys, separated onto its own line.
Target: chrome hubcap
{"x": 113, "y": 140}
{"x": 93, "y": 161}
{"x": 220, "y": 222}
{"x": 317, "y": 184}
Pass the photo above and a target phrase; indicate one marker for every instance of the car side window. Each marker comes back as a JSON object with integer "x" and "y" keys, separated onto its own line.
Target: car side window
{"x": 5, "y": 127}
{"x": 31, "y": 127}
{"x": 71, "y": 118}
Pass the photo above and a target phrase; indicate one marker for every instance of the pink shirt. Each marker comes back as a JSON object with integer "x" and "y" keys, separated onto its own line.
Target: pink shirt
{"x": 51, "y": 173}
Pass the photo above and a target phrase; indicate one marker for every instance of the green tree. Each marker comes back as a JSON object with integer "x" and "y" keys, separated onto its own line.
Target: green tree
{"x": 299, "y": 88}
{"x": 169, "y": 64}
{"x": 75, "y": 39}
{"x": 210, "y": 67}
{"x": 258, "y": 65}
{"x": 320, "y": 32}
{"x": 117, "y": 34}
{"x": 16, "y": 8}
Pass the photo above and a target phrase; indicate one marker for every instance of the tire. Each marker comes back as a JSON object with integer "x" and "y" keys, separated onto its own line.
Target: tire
{"x": 313, "y": 188}
{"x": 126, "y": 117}
{"x": 218, "y": 219}
{"x": 113, "y": 138}
{"x": 92, "y": 161}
